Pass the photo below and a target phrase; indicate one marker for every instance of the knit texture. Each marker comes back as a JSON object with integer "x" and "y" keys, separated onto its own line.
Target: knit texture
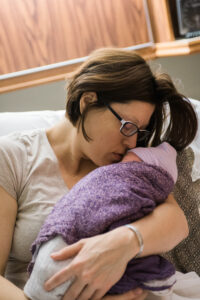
{"x": 106, "y": 198}
{"x": 186, "y": 256}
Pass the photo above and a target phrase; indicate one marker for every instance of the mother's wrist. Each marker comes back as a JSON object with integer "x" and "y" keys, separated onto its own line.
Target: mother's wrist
{"x": 132, "y": 243}
{"x": 139, "y": 237}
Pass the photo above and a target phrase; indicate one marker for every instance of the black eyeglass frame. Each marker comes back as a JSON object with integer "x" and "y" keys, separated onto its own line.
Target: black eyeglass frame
{"x": 124, "y": 122}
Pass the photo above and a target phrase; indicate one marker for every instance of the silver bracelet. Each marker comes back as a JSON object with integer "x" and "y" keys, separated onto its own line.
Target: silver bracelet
{"x": 139, "y": 237}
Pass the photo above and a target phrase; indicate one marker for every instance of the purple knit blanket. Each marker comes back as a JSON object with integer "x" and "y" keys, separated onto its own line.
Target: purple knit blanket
{"x": 108, "y": 197}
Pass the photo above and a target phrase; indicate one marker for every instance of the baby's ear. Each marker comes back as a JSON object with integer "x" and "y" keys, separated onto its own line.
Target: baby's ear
{"x": 86, "y": 98}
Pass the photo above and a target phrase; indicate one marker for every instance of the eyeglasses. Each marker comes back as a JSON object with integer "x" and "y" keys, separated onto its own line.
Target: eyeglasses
{"x": 128, "y": 128}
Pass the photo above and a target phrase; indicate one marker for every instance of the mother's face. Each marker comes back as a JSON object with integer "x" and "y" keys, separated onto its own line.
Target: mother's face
{"x": 108, "y": 144}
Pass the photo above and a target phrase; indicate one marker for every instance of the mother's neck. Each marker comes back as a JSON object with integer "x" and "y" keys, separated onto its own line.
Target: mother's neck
{"x": 65, "y": 141}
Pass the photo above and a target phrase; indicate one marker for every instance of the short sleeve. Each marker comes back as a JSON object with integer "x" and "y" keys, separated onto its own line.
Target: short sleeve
{"x": 12, "y": 164}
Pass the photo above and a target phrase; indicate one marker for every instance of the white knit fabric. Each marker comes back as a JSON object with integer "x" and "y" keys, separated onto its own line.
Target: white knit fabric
{"x": 186, "y": 287}
{"x": 44, "y": 268}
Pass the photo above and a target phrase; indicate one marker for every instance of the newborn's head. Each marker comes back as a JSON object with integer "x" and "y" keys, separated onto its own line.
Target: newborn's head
{"x": 163, "y": 156}
{"x": 131, "y": 156}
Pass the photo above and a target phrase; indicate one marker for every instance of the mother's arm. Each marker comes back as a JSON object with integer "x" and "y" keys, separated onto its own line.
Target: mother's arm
{"x": 8, "y": 212}
{"x": 100, "y": 261}
{"x": 163, "y": 229}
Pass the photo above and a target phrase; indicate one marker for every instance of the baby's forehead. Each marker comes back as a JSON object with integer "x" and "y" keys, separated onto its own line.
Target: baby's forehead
{"x": 131, "y": 156}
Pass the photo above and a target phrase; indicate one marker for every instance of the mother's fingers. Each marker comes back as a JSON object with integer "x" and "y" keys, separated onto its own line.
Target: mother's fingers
{"x": 60, "y": 277}
{"x": 137, "y": 294}
{"x": 75, "y": 289}
{"x": 67, "y": 252}
{"x": 141, "y": 297}
{"x": 69, "y": 271}
{"x": 79, "y": 291}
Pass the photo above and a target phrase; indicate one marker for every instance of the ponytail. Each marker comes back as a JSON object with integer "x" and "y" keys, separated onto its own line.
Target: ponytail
{"x": 182, "y": 124}
{"x": 120, "y": 76}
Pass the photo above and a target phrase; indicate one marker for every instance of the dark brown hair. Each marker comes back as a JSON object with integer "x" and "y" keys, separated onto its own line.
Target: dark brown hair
{"x": 117, "y": 75}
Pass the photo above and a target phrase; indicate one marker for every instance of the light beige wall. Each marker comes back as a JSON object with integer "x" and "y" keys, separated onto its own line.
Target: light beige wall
{"x": 184, "y": 69}
{"x": 44, "y": 97}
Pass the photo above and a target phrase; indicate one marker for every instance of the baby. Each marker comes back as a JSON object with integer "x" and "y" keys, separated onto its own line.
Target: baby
{"x": 108, "y": 197}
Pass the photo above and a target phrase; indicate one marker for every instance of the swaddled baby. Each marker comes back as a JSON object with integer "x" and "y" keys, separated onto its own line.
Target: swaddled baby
{"x": 108, "y": 197}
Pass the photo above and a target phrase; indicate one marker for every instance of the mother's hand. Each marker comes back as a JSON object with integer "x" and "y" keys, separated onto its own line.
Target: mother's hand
{"x": 99, "y": 262}
{"x": 136, "y": 294}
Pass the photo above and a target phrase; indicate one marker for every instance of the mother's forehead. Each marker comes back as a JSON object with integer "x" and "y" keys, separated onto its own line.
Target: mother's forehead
{"x": 136, "y": 111}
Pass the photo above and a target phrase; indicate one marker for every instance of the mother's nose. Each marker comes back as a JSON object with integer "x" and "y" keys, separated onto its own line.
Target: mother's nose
{"x": 130, "y": 141}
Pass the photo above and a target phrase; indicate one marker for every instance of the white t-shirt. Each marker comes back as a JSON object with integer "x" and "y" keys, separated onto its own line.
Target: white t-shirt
{"x": 29, "y": 172}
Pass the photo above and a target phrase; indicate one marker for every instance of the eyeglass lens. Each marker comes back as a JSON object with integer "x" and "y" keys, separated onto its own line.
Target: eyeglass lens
{"x": 129, "y": 129}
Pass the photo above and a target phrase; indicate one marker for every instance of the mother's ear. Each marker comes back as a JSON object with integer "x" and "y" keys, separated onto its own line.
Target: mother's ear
{"x": 86, "y": 98}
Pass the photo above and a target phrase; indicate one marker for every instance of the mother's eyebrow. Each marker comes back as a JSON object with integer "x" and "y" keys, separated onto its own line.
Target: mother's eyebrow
{"x": 132, "y": 119}
{"x": 136, "y": 121}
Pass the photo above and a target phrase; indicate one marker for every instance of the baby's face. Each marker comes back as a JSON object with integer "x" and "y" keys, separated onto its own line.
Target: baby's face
{"x": 131, "y": 156}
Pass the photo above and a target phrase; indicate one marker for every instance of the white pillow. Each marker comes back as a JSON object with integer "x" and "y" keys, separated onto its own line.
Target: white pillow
{"x": 18, "y": 121}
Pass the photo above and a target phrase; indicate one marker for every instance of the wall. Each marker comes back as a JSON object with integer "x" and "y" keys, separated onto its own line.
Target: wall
{"x": 185, "y": 70}
{"x": 44, "y": 97}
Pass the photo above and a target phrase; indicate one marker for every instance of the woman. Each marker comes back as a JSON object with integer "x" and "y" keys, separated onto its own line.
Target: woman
{"x": 38, "y": 167}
